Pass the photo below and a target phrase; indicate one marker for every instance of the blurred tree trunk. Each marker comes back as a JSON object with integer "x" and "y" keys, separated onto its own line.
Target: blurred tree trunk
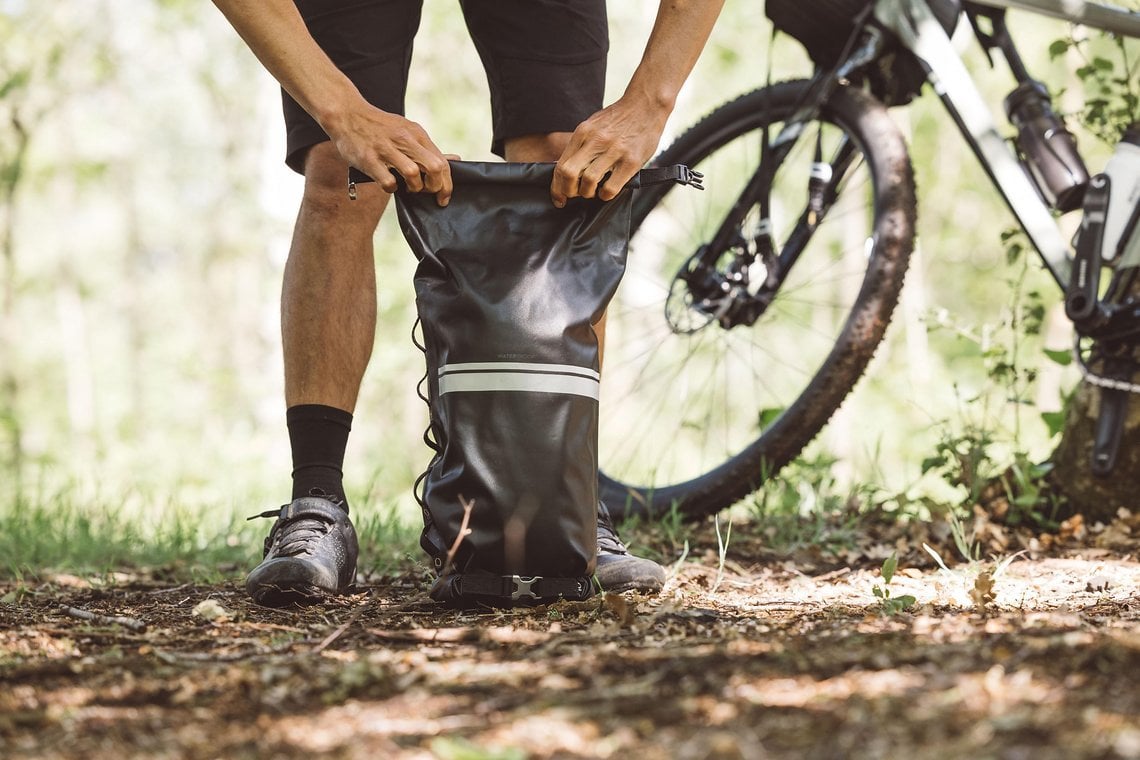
{"x": 47, "y": 57}
{"x": 11, "y": 172}
{"x": 1097, "y": 498}
{"x": 79, "y": 377}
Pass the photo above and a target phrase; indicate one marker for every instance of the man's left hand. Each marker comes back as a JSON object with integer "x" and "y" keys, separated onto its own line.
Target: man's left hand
{"x": 617, "y": 141}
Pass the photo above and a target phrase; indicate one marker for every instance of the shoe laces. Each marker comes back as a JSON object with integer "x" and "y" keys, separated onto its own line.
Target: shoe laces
{"x": 293, "y": 537}
{"x": 608, "y": 541}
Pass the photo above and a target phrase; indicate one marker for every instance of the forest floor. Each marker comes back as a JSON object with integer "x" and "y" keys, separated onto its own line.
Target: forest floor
{"x": 756, "y": 654}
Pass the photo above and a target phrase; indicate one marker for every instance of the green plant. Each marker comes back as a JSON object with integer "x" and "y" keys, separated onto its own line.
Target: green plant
{"x": 980, "y": 577}
{"x": 985, "y": 455}
{"x": 1030, "y": 498}
{"x": 67, "y": 532}
{"x": 962, "y": 459}
{"x": 891, "y": 605}
{"x": 662, "y": 538}
{"x": 387, "y": 540}
{"x": 460, "y": 748}
{"x": 805, "y": 505}
{"x": 1111, "y": 87}
{"x": 964, "y": 541}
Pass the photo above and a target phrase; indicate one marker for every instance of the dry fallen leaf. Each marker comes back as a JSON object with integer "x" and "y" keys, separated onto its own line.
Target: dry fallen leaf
{"x": 982, "y": 593}
{"x": 622, "y": 609}
{"x": 211, "y": 610}
{"x": 1072, "y": 529}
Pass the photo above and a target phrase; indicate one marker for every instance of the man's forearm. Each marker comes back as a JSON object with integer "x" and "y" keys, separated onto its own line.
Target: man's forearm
{"x": 276, "y": 33}
{"x": 679, "y": 34}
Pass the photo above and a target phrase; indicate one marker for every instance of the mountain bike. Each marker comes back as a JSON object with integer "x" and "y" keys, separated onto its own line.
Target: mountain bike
{"x": 748, "y": 314}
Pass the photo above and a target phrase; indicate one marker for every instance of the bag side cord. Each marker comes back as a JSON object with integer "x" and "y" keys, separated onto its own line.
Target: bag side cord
{"x": 429, "y": 433}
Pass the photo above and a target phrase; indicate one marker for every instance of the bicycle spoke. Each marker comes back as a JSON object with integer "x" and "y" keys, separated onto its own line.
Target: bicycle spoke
{"x": 705, "y": 344}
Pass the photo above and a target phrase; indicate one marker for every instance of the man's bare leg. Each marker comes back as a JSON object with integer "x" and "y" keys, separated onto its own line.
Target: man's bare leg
{"x": 328, "y": 322}
{"x": 328, "y": 300}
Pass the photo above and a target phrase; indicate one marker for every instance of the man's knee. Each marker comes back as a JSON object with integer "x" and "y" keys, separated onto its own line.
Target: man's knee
{"x": 538, "y": 147}
{"x": 326, "y": 200}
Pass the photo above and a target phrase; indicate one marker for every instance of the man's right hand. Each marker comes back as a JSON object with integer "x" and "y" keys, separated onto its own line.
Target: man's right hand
{"x": 366, "y": 137}
{"x": 375, "y": 141}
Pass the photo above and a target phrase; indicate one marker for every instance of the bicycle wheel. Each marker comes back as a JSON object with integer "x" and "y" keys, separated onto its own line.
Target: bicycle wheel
{"x": 699, "y": 409}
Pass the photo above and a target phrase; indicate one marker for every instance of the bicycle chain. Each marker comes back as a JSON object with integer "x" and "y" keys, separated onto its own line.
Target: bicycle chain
{"x": 1098, "y": 380}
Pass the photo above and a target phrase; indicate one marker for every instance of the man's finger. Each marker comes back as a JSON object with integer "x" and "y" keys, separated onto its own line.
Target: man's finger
{"x": 442, "y": 186}
{"x": 437, "y": 178}
{"x": 567, "y": 174}
{"x": 443, "y": 197}
{"x": 621, "y": 173}
{"x": 592, "y": 177}
{"x": 380, "y": 173}
{"x": 410, "y": 171}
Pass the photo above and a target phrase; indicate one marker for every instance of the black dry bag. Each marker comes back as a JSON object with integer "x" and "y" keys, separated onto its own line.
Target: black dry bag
{"x": 508, "y": 289}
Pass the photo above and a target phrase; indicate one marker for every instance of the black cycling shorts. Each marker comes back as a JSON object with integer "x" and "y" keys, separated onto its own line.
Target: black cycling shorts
{"x": 545, "y": 61}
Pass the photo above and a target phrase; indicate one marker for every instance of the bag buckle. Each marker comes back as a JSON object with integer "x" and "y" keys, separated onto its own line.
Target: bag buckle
{"x": 523, "y": 588}
{"x": 690, "y": 177}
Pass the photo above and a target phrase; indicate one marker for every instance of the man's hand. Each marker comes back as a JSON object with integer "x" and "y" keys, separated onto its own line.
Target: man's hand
{"x": 366, "y": 137}
{"x": 373, "y": 140}
{"x": 617, "y": 141}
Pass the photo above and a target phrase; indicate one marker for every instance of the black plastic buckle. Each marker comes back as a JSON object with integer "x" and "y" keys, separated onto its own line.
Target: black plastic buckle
{"x": 523, "y": 588}
{"x": 679, "y": 173}
{"x": 690, "y": 177}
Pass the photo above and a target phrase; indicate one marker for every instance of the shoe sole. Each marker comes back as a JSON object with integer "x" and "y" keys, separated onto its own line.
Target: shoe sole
{"x": 640, "y": 587}
{"x": 285, "y": 582}
{"x": 289, "y": 596}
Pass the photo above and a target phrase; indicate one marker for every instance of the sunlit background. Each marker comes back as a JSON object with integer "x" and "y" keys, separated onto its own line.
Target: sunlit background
{"x": 145, "y": 215}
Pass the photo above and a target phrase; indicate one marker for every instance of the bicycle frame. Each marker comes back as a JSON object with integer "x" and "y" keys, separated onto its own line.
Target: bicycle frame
{"x": 915, "y": 25}
{"x": 913, "y": 22}
{"x": 1110, "y": 18}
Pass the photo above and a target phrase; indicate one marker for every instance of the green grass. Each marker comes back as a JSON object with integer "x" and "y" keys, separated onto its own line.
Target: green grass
{"x": 72, "y": 535}
{"x": 389, "y": 542}
{"x": 805, "y": 505}
{"x": 71, "y": 532}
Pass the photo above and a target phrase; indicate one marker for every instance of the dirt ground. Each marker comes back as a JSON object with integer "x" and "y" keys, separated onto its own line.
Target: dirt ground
{"x": 756, "y": 656}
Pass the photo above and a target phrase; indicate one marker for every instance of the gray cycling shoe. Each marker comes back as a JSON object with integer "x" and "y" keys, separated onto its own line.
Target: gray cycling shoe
{"x": 310, "y": 553}
{"x": 617, "y": 569}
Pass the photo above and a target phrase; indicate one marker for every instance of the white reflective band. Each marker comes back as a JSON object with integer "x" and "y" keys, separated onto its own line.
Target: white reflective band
{"x": 534, "y": 382}
{"x": 518, "y": 367}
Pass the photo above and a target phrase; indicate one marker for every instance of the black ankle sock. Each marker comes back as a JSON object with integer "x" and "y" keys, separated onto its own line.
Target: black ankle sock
{"x": 318, "y": 435}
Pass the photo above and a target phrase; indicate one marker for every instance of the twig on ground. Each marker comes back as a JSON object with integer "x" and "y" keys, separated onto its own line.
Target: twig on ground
{"x": 343, "y": 626}
{"x": 169, "y": 589}
{"x": 185, "y": 658}
{"x": 722, "y": 550}
{"x": 464, "y": 532}
{"x": 94, "y": 617}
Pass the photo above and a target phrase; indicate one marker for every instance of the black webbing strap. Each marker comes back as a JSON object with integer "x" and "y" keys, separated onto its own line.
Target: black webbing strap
{"x": 521, "y": 588}
{"x": 678, "y": 173}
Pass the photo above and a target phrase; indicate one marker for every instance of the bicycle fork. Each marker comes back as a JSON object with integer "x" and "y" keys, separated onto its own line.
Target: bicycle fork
{"x": 723, "y": 290}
